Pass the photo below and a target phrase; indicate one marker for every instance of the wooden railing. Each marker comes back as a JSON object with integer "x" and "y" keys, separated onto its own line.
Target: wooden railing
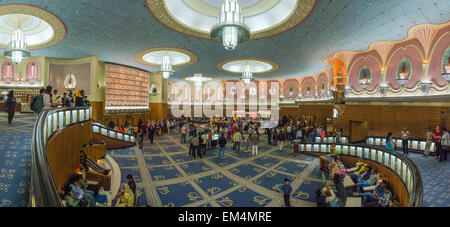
{"x": 48, "y": 141}
{"x": 403, "y": 167}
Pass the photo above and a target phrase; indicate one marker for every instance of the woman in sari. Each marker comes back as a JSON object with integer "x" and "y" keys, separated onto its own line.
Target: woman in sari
{"x": 126, "y": 197}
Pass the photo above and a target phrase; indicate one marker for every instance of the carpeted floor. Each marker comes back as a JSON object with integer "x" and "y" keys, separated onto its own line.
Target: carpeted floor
{"x": 167, "y": 176}
{"x": 15, "y": 160}
{"x": 170, "y": 177}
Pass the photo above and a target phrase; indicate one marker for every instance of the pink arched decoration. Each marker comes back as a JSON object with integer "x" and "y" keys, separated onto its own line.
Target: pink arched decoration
{"x": 32, "y": 76}
{"x": 374, "y": 65}
{"x": 7, "y": 72}
{"x": 308, "y": 81}
{"x": 323, "y": 79}
{"x": 411, "y": 51}
{"x": 291, "y": 83}
{"x": 435, "y": 67}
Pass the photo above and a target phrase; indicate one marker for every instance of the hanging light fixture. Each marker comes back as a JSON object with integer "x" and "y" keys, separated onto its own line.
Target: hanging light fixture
{"x": 247, "y": 75}
{"x": 166, "y": 67}
{"x": 17, "y": 47}
{"x": 230, "y": 28}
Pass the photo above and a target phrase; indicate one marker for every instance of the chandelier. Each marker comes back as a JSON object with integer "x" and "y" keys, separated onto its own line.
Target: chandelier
{"x": 166, "y": 67}
{"x": 247, "y": 75}
{"x": 17, "y": 47}
{"x": 230, "y": 28}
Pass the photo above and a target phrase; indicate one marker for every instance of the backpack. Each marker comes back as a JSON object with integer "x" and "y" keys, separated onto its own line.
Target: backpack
{"x": 33, "y": 103}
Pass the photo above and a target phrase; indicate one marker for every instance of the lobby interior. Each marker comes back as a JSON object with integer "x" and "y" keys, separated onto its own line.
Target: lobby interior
{"x": 360, "y": 69}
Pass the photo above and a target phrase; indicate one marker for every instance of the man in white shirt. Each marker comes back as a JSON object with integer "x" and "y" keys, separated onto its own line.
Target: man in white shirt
{"x": 47, "y": 97}
{"x": 445, "y": 143}
{"x": 405, "y": 137}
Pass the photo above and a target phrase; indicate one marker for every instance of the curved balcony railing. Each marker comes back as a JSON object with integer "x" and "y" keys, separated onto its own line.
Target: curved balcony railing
{"x": 43, "y": 190}
{"x": 331, "y": 139}
{"x": 404, "y": 167}
{"x": 413, "y": 144}
{"x": 103, "y": 130}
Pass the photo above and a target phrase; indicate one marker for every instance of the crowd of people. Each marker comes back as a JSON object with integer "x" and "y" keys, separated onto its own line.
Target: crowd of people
{"x": 374, "y": 190}
{"x": 440, "y": 138}
{"x": 49, "y": 98}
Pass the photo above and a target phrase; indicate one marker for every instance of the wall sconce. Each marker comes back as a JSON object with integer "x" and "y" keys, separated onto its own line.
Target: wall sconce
{"x": 425, "y": 87}
{"x": 383, "y": 90}
{"x": 364, "y": 84}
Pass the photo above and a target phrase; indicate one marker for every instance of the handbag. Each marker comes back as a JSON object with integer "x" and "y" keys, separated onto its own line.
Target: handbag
{"x": 101, "y": 198}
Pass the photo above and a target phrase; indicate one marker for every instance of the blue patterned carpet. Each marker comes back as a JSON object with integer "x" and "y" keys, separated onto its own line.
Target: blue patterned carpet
{"x": 15, "y": 160}
{"x": 167, "y": 176}
{"x": 173, "y": 178}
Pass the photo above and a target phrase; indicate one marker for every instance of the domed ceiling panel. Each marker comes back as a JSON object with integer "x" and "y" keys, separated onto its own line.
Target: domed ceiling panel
{"x": 116, "y": 30}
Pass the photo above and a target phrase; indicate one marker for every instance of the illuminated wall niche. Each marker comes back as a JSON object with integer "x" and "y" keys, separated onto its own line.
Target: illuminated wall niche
{"x": 127, "y": 89}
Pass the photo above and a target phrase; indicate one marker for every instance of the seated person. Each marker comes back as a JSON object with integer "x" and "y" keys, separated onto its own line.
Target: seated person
{"x": 361, "y": 170}
{"x": 378, "y": 192}
{"x": 373, "y": 179}
{"x": 325, "y": 197}
{"x": 357, "y": 167}
{"x": 364, "y": 175}
{"x": 393, "y": 202}
{"x": 381, "y": 201}
{"x": 125, "y": 198}
{"x": 78, "y": 193}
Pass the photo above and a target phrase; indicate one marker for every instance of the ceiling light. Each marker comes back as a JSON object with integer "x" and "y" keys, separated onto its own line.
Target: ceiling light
{"x": 17, "y": 47}
{"x": 230, "y": 28}
{"x": 247, "y": 75}
{"x": 166, "y": 67}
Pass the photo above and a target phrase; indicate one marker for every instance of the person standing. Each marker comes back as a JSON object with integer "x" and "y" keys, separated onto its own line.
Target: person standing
{"x": 280, "y": 141}
{"x": 299, "y": 135}
{"x": 151, "y": 133}
{"x": 183, "y": 134}
{"x": 222, "y": 143}
{"x": 405, "y": 136}
{"x": 445, "y": 141}
{"x": 11, "y": 106}
{"x": 141, "y": 140}
{"x": 254, "y": 139}
{"x": 64, "y": 100}
{"x": 390, "y": 145}
{"x": 78, "y": 99}
{"x": 286, "y": 189}
{"x": 429, "y": 136}
{"x": 37, "y": 104}
{"x": 269, "y": 135}
{"x": 203, "y": 143}
{"x": 55, "y": 97}
{"x": 48, "y": 97}
{"x": 437, "y": 141}
{"x": 338, "y": 135}
{"x": 195, "y": 147}
{"x": 237, "y": 137}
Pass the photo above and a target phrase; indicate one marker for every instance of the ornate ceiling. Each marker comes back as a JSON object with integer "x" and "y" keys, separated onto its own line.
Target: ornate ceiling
{"x": 117, "y": 30}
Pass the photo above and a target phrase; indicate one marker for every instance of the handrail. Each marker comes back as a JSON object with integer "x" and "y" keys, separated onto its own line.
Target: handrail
{"x": 115, "y": 134}
{"x": 401, "y": 164}
{"x": 381, "y": 141}
{"x": 43, "y": 191}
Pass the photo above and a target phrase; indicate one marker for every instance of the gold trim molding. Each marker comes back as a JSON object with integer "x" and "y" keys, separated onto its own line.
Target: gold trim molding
{"x": 58, "y": 26}
{"x": 138, "y": 57}
{"x": 159, "y": 10}
{"x": 275, "y": 66}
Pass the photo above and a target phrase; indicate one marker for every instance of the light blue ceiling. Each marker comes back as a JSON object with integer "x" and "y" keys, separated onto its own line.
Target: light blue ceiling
{"x": 117, "y": 29}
